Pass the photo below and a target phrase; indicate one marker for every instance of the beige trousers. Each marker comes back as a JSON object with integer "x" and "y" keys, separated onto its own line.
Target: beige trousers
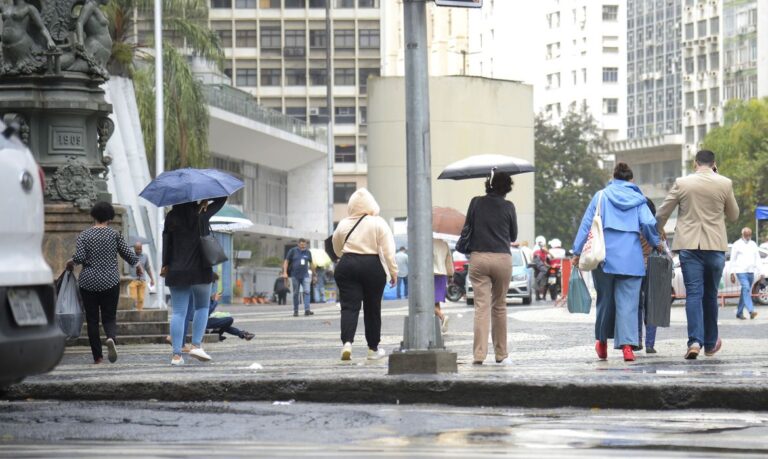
{"x": 490, "y": 274}
{"x": 137, "y": 289}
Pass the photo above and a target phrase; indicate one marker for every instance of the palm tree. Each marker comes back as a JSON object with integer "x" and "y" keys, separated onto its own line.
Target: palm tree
{"x": 186, "y": 112}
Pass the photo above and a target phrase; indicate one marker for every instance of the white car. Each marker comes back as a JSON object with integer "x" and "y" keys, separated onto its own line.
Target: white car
{"x": 30, "y": 339}
{"x": 521, "y": 285}
{"x": 728, "y": 288}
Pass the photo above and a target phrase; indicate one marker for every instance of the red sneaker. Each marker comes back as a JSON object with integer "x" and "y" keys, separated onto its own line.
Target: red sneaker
{"x": 629, "y": 356}
{"x": 602, "y": 349}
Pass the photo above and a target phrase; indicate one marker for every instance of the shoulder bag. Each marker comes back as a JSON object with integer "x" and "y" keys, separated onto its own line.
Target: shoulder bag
{"x": 462, "y": 245}
{"x": 329, "y": 242}
{"x": 594, "y": 249}
{"x": 212, "y": 252}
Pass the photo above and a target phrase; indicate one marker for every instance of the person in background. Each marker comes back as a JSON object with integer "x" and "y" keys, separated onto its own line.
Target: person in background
{"x": 494, "y": 228}
{"x": 541, "y": 263}
{"x": 642, "y": 311}
{"x": 618, "y": 279}
{"x": 401, "y": 257}
{"x": 138, "y": 286}
{"x": 705, "y": 199}
{"x": 96, "y": 249}
{"x": 527, "y": 251}
{"x": 186, "y": 274}
{"x": 281, "y": 289}
{"x": 745, "y": 262}
{"x": 318, "y": 279}
{"x": 296, "y": 266}
{"x": 442, "y": 268}
{"x": 365, "y": 246}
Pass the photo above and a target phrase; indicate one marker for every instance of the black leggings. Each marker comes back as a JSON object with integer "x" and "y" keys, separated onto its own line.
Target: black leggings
{"x": 105, "y": 302}
{"x": 360, "y": 278}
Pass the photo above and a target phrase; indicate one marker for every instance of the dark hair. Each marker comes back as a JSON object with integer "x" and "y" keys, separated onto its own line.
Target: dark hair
{"x": 651, "y": 206}
{"x": 302, "y": 240}
{"x": 402, "y": 248}
{"x": 499, "y": 183}
{"x": 622, "y": 172}
{"x": 705, "y": 157}
{"x": 102, "y": 212}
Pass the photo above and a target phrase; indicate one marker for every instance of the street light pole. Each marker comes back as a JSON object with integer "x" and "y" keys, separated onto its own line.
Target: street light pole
{"x": 422, "y": 349}
{"x": 330, "y": 144}
{"x": 159, "y": 147}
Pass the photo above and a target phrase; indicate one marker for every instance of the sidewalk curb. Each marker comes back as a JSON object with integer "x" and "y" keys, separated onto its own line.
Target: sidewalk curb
{"x": 410, "y": 390}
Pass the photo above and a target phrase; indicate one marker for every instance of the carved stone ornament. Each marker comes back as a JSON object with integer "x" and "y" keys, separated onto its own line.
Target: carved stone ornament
{"x": 10, "y": 119}
{"x": 105, "y": 127}
{"x": 73, "y": 182}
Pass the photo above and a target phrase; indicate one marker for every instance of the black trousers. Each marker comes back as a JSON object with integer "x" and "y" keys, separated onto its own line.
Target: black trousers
{"x": 102, "y": 303}
{"x": 223, "y": 325}
{"x": 360, "y": 279}
{"x": 281, "y": 297}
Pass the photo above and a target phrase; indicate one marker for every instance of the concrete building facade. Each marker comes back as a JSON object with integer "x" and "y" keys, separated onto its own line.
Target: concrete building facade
{"x": 469, "y": 115}
{"x": 584, "y": 44}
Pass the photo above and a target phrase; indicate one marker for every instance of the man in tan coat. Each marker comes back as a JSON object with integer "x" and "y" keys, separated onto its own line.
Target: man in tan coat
{"x": 704, "y": 199}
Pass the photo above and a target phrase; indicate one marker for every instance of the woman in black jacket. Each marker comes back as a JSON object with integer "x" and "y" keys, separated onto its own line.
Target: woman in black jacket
{"x": 185, "y": 272}
{"x": 494, "y": 228}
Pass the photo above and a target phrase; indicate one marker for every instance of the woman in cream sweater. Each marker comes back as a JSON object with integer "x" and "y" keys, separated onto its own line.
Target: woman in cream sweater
{"x": 366, "y": 246}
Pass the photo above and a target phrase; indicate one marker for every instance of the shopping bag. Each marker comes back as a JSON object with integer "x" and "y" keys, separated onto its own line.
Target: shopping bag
{"x": 69, "y": 309}
{"x": 579, "y": 299}
{"x": 658, "y": 293}
{"x": 593, "y": 252}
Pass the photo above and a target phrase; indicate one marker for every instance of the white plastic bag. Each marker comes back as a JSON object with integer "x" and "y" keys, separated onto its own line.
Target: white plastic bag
{"x": 69, "y": 309}
{"x": 593, "y": 252}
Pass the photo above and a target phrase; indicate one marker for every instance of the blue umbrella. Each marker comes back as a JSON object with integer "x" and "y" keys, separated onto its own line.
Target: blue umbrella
{"x": 188, "y": 185}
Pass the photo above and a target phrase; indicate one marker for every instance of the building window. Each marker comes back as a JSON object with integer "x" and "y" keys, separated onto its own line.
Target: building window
{"x": 714, "y": 26}
{"x": 317, "y": 3}
{"x": 318, "y": 115}
{"x": 300, "y": 113}
{"x": 368, "y": 38}
{"x": 714, "y": 96}
{"x": 610, "y": 74}
{"x": 342, "y": 191}
{"x": 221, "y": 4}
{"x": 344, "y": 39}
{"x": 270, "y": 38}
{"x": 317, "y": 39}
{"x": 295, "y": 43}
{"x": 295, "y": 3}
{"x": 270, "y": 77}
{"x": 344, "y": 77}
{"x": 269, "y": 4}
{"x": 367, "y": 3}
{"x": 318, "y": 77}
{"x": 246, "y": 38}
{"x": 702, "y": 132}
{"x": 714, "y": 60}
{"x": 364, "y": 74}
{"x": 363, "y": 116}
{"x": 296, "y": 77}
{"x": 610, "y": 12}
{"x": 701, "y": 28}
{"x": 224, "y": 30}
{"x": 688, "y": 100}
{"x": 689, "y": 65}
{"x": 345, "y": 115}
{"x": 345, "y": 154}
{"x": 689, "y": 31}
{"x": 610, "y": 106}
{"x": 245, "y": 4}
{"x": 701, "y": 62}
{"x": 246, "y": 77}
{"x": 344, "y": 3}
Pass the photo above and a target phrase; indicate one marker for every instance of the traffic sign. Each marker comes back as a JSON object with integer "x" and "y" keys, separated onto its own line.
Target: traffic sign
{"x": 460, "y": 3}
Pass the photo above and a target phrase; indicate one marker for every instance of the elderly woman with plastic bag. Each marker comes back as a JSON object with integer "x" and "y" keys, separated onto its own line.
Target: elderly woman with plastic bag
{"x": 625, "y": 216}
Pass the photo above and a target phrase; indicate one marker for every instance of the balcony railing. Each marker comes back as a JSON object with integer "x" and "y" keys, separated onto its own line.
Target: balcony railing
{"x": 244, "y": 104}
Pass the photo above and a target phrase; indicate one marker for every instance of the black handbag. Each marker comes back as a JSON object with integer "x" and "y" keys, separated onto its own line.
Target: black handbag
{"x": 658, "y": 293}
{"x": 462, "y": 245}
{"x": 212, "y": 252}
{"x": 329, "y": 242}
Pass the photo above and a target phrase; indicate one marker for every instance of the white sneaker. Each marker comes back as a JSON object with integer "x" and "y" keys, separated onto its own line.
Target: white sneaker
{"x": 444, "y": 327}
{"x": 346, "y": 351}
{"x": 177, "y": 360}
{"x": 111, "y": 351}
{"x": 199, "y": 354}
{"x": 506, "y": 362}
{"x": 376, "y": 355}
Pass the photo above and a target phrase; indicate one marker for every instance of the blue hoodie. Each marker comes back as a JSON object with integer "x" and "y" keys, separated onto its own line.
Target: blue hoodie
{"x": 625, "y": 216}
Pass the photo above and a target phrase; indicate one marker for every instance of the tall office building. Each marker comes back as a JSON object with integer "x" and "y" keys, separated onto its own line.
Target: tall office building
{"x": 276, "y": 50}
{"x": 654, "y": 68}
{"x": 584, "y": 43}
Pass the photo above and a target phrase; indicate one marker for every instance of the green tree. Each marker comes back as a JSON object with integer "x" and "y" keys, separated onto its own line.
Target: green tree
{"x": 186, "y": 110}
{"x": 568, "y": 173}
{"x": 741, "y": 149}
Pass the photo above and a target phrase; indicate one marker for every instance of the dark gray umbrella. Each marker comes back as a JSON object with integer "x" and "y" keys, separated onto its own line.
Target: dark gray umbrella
{"x": 480, "y": 166}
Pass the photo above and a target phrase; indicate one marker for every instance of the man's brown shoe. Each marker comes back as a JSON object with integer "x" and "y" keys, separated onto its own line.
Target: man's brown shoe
{"x": 714, "y": 350}
{"x": 693, "y": 351}
{"x": 752, "y": 315}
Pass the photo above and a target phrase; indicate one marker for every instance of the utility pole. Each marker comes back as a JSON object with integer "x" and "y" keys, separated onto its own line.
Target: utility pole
{"x": 159, "y": 147}
{"x": 422, "y": 349}
{"x": 331, "y": 145}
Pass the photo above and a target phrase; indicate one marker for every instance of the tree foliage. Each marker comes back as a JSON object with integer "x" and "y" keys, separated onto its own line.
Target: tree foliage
{"x": 741, "y": 149}
{"x": 186, "y": 108}
{"x": 568, "y": 173}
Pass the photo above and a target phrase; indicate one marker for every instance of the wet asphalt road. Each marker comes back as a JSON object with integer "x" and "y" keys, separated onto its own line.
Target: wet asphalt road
{"x": 290, "y": 429}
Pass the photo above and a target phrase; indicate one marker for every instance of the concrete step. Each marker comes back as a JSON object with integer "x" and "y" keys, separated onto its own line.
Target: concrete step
{"x": 145, "y": 315}
{"x": 137, "y": 339}
{"x": 126, "y": 303}
{"x": 138, "y": 328}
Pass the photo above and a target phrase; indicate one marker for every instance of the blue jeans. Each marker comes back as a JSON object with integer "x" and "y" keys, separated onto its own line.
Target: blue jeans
{"x": 402, "y": 281}
{"x": 746, "y": 280}
{"x": 702, "y": 270}
{"x": 618, "y": 297}
{"x": 305, "y": 285}
{"x": 320, "y": 287}
{"x": 199, "y": 297}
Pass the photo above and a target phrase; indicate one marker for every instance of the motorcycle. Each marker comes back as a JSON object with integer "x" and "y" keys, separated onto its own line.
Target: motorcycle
{"x": 456, "y": 286}
{"x": 554, "y": 280}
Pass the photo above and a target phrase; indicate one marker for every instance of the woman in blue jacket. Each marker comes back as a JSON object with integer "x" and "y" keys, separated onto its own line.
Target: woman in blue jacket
{"x": 617, "y": 280}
